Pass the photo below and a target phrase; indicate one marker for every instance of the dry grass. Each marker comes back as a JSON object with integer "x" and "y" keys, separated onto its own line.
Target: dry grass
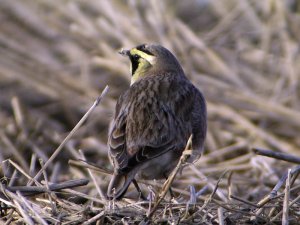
{"x": 57, "y": 56}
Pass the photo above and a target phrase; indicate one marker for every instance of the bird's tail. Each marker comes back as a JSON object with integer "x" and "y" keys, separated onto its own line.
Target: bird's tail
{"x": 119, "y": 184}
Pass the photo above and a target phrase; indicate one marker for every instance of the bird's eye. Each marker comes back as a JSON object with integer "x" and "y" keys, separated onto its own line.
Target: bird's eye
{"x": 136, "y": 57}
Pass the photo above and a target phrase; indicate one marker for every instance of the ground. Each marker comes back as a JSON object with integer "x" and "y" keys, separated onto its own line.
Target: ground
{"x": 56, "y": 57}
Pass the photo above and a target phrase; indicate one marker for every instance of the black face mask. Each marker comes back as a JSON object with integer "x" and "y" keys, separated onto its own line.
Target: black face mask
{"x": 134, "y": 62}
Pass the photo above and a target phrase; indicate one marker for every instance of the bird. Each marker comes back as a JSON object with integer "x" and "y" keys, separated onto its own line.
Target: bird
{"x": 154, "y": 119}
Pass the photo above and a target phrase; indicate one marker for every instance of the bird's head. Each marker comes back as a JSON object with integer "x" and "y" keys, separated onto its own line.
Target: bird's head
{"x": 149, "y": 60}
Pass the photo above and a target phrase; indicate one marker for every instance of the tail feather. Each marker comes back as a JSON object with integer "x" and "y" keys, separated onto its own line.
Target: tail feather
{"x": 118, "y": 185}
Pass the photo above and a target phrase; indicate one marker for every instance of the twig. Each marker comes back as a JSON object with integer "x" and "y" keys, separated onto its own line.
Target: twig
{"x": 26, "y": 203}
{"x": 84, "y": 164}
{"x": 13, "y": 178}
{"x": 8, "y": 203}
{"x": 229, "y": 185}
{"x": 273, "y": 193}
{"x": 277, "y": 155}
{"x": 47, "y": 187}
{"x": 209, "y": 199}
{"x": 23, "y": 172}
{"x": 231, "y": 209}
{"x": 170, "y": 179}
{"x": 18, "y": 114}
{"x": 244, "y": 201}
{"x": 14, "y": 151}
{"x": 94, "y": 219}
{"x": 25, "y": 216}
{"x": 81, "y": 121}
{"x": 291, "y": 190}
{"x": 99, "y": 190}
{"x": 31, "y": 190}
{"x": 285, "y": 216}
{"x": 290, "y": 205}
{"x": 77, "y": 193}
{"x": 193, "y": 196}
{"x": 202, "y": 191}
{"x": 221, "y": 216}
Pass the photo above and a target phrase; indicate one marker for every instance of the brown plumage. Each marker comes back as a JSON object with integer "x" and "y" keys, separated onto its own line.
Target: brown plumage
{"x": 154, "y": 119}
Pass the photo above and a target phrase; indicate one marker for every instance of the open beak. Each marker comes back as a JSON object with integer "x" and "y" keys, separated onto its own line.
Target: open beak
{"x": 125, "y": 52}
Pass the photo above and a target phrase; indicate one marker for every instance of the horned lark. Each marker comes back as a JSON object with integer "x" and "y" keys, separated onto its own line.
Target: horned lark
{"x": 154, "y": 119}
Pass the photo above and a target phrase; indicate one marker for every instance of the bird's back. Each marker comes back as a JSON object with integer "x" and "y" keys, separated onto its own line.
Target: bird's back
{"x": 157, "y": 117}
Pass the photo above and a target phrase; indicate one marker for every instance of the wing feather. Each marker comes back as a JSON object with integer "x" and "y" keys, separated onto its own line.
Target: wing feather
{"x": 148, "y": 124}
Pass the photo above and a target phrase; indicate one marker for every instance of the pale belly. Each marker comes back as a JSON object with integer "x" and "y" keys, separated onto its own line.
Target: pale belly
{"x": 159, "y": 167}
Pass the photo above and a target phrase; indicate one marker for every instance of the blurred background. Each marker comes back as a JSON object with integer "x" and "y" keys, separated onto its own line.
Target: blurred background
{"x": 56, "y": 56}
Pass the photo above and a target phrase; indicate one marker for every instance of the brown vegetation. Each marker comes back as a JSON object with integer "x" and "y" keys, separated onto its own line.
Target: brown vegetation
{"x": 57, "y": 56}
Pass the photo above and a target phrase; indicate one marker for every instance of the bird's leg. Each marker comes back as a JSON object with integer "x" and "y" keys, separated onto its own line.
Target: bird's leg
{"x": 171, "y": 193}
{"x": 139, "y": 190}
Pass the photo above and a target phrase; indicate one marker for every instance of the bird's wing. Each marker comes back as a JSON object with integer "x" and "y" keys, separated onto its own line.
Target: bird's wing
{"x": 145, "y": 127}
{"x": 158, "y": 137}
{"x": 199, "y": 122}
{"x": 155, "y": 135}
{"x": 164, "y": 123}
{"x": 117, "y": 135}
